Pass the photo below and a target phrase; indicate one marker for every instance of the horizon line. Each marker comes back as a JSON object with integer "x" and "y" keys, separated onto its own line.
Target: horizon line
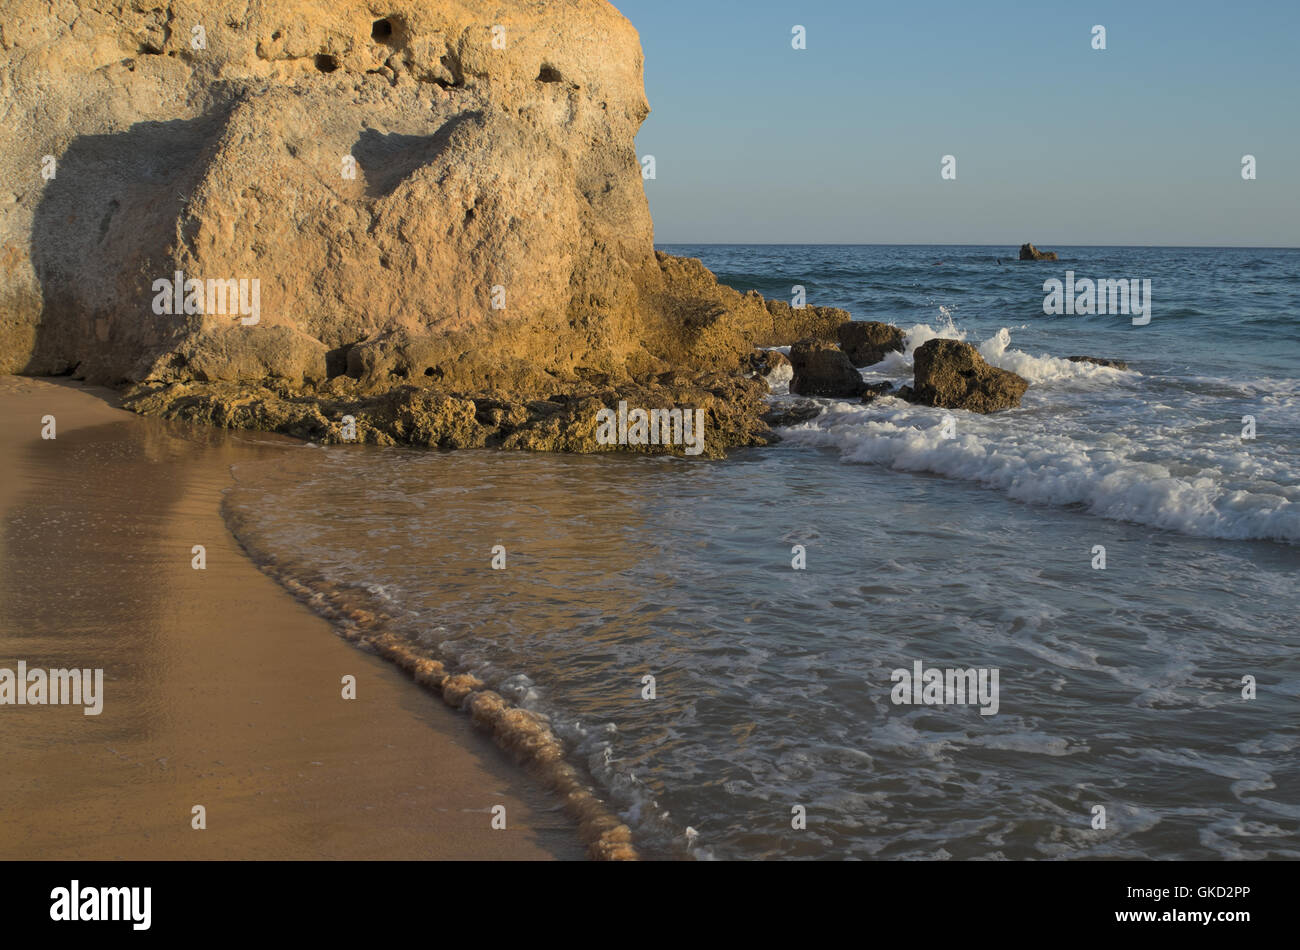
{"x": 1243, "y": 247}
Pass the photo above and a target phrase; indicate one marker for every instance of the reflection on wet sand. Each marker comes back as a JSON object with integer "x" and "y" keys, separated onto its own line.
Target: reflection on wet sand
{"x": 220, "y": 690}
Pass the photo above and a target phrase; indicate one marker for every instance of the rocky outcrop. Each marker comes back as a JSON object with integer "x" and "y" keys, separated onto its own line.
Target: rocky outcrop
{"x": 866, "y": 342}
{"x": 952, "y": 375}
{"x": 1098, "y": 361}
{"x": 434, "y": 418}
{"x": 875, "y": 390}
{"x": 1030, "y": 253}
{"x": 428, "y": 195}
{"x": 764, "y": 363}
{"x": 822, "y": 369}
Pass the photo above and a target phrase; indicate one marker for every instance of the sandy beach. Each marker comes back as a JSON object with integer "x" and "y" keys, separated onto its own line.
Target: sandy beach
{"x": 220, "y": 689}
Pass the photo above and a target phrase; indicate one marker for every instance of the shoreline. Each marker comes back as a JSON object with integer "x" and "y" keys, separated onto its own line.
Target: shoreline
{"x": 201, "y": 706}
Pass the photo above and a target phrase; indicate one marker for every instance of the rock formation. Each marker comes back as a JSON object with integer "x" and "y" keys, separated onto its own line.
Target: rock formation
{"x": 426, "y": 214}
{"x": 953, "y": 375}
{"x": 822, "y": 369}
{"x": 791, "y": 413}
{"x": 866, "y": 342}
{"x": 765, "y": 362}
{"x": 875, "y": 390}
{"x": 1098, "y": 361}
{"x": 1030, "y": 253}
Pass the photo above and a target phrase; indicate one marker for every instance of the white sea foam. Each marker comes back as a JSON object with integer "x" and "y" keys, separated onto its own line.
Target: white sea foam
{"x": 1109, "y": 449}
{"x": 780, "y": 377}
{"x": 1041, "y": 369}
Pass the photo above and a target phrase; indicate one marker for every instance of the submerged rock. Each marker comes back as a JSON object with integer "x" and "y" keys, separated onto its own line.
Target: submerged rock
{"x": 1098, "y": 361}
{"x": 875, "y": 390}
{"x": 791, "y": 413}
{"x": 866, "y": 342}
{"x": 1030, "y": 253}
{"x": 953, "y": 375}
{"x": 822, "y": 369}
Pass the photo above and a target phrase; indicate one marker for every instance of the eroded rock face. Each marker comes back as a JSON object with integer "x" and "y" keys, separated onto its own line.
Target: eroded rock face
{"x": 866, "y": 342}
{"x": 428, "y": 194}
{"x": 1030, "y": 253}
{"x": 822, "y": 369}
{"x": 433, "y": 418}
{"x": 952, "y": 375}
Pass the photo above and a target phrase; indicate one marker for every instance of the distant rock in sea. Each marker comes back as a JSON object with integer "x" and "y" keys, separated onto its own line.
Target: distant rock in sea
{"x": 1030, "y": 253}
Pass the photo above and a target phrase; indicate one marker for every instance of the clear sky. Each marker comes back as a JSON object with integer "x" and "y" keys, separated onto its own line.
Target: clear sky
{"x": 1055, "y": 142}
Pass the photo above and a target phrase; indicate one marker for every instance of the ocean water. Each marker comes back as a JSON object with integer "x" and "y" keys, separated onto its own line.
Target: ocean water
{"x": 1118, "y": 688}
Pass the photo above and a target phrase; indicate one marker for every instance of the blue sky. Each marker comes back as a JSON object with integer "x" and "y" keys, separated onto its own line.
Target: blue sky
{"x": 1055, "y": 142}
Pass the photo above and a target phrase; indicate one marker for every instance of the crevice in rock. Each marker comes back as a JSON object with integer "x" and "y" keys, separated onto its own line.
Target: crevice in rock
{"x": 108, "y": 217}
{"x": 452, "y": 65}
{"x": 336, "y": 360}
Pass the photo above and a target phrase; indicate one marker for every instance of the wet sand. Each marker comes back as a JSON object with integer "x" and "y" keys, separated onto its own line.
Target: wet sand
{"x": 220, "y": 689}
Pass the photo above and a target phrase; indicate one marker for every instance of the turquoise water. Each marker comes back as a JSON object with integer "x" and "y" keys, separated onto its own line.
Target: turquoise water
{"x": 1120, "y": 688}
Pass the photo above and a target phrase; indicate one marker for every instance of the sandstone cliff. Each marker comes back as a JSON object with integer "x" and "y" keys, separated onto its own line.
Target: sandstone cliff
{"x": 440, "y": 202}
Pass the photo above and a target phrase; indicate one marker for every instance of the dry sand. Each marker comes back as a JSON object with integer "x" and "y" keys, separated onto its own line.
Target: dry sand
{"x": 220, "y": 689}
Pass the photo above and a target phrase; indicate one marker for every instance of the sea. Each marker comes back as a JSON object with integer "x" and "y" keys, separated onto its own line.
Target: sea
{"x": 725, "y": 647}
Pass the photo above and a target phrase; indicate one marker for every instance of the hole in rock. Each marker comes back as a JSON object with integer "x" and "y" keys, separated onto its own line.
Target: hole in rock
{"x": 382, "y": 31}
{"x": 326, "y": 63}
{"x": 548, "y": 74}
